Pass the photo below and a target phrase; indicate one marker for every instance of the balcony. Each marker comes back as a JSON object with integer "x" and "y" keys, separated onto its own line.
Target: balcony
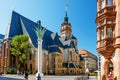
{"x": 106, "y": 47}
{"x": 107, "y": 11}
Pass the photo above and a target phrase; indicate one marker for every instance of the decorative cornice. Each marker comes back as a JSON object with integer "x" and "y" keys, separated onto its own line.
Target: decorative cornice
{"x": 107, "y": 25}
{"x": 117, "y": 46}
{"x": 117, "y": 37}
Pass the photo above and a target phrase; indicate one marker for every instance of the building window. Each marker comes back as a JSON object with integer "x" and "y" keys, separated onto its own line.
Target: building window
{"x": 109, "y": 2}
{"x": 31, "y": 67}
{"x": 109, "y": 22}
{"x": 102, "y": 4}
{"x": 34, "y": 52}
{"x": 102, "y": 23}
{"x": 71, "y": 55}
{"x": 14, "y": 60}
{"x": 26, "y": 67}
{"x": 102, "y": 34}
{"x": 109, "y": 32}
{"x": 30, "y": 56}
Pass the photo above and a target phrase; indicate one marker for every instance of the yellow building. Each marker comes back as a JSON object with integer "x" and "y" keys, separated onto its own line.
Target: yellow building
{"x": 90, "y": 60}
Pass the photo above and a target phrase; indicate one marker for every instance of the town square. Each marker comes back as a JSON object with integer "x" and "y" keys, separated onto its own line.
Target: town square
{"x": 60, "y": 40}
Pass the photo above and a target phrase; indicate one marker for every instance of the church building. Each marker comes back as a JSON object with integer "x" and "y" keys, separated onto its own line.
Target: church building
{"x": 60, "y": 53}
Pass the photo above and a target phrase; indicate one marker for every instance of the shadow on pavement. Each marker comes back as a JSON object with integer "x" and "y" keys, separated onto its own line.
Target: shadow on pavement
{"x": 8, "y": 78}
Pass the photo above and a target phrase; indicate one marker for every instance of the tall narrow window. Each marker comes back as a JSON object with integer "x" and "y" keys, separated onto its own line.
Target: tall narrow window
{"x": 109, "y": 2}
{"x": 30, "y": 56}
{"x": 109, "y": 32}
{"x": 31, "y": 67}
{"x": 102, "y": 34}
{"x": 71, "y": 55}
{"x": 102, "y": 4}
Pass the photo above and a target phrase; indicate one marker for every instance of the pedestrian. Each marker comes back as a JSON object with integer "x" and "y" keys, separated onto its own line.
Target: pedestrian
{"x": 18, "y": 73}
{"x": 26, "y": 75}
{"x": 110, "y": 76}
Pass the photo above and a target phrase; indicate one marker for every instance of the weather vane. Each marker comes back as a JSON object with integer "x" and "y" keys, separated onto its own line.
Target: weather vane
{"x": 66, "y": 7}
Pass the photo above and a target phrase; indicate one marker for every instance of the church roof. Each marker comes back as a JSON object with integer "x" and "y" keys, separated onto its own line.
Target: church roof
{"x": 1, "y": 36}
{"x": 22, "y": 25}
{"x": 54, "y": 49}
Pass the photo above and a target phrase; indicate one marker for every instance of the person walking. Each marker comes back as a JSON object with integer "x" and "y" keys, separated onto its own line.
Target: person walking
{"x": 110, "y": 76}
{"x": 26, "y": 75}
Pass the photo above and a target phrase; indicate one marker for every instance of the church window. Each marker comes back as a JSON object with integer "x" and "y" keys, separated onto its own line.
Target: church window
{"x": 109, "y": 32}
{"x": 102, "y": 4}
{"x": 13, "y": 60}
{"x": 71, "y": 55}
{"x": 30, "y": 56}
{"x": 34, "y": 52}
{"x": 109, "y": 2}
{"x": 45, "y": 54}
{"x": 102, "y": 34}
{"x": 30, "y": 66}
{"x": 26, "y": 67}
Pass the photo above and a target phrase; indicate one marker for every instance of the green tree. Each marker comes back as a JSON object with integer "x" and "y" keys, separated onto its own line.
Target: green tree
{"x": 21, "y": 48}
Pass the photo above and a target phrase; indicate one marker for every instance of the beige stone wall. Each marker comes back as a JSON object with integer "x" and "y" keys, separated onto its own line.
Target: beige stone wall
{"x": 102, "y": 60}
{"x": 116, "y": 57}
{"x": 117, "y": 64}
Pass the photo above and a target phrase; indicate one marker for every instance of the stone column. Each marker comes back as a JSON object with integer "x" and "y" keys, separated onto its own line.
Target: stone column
{"x": 117, "y": 43}
{"x": 39, "y": 33}
{"x": 117, "y": 27}
{"x": 40, "y": 57}
{"x": 102, "y": 60}
{"x": 117, "y": 64}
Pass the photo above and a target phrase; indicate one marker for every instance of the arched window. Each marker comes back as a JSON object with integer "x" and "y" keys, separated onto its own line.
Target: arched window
{"x": 109, "y": 2}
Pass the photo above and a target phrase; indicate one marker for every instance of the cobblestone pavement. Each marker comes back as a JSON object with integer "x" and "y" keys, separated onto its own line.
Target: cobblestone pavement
{"x": 33, "y": 77}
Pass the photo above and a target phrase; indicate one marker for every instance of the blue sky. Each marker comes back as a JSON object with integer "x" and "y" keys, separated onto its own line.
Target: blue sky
{"x": 81, "y": 15}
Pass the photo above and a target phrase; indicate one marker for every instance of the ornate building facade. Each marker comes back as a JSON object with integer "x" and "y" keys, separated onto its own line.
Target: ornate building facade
{"x": 108, "y": 37}
{"x": 60, "y": 54}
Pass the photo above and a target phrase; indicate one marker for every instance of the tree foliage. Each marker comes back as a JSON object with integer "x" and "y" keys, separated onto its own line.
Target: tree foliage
{"x": 21, "y": 48}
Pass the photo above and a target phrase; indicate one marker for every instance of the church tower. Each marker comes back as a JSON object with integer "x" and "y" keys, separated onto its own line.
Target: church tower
{"x": 108, "y": 37}
{"x": 66, "y": 27}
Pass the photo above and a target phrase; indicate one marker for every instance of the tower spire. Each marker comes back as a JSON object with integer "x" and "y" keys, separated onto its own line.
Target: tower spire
{"x": 66, "y": 17}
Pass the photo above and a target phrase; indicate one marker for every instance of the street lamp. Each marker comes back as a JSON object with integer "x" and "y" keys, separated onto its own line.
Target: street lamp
{"x": 40, "y": 33}
{"x": 98, "y": 67}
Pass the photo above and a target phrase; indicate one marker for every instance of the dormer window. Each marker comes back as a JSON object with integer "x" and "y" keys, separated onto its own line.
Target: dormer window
{"x": 109, "y": 2}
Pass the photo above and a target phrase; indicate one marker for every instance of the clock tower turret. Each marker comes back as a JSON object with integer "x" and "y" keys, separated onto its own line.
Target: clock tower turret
{"x": 66, "y": 27}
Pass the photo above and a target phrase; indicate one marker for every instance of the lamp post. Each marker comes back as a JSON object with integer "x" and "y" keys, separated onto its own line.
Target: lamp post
{"x": 40, "y": 33}
{"x": 99, "y": 67}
